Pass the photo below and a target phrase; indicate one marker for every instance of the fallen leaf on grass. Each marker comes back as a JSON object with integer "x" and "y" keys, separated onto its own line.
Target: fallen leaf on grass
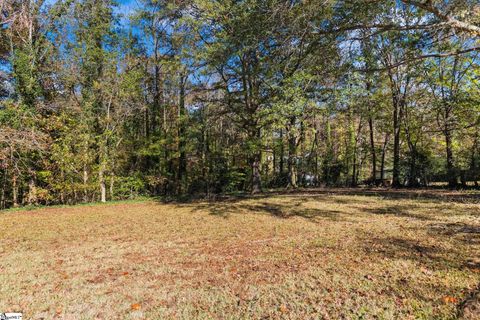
{"x": 135, "y": 306}
{"x": 450, "y": 300}
{"x": 283, "y": 309}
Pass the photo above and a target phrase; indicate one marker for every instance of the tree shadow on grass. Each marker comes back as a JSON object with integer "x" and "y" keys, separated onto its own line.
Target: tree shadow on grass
{"x": 405, "y": 211}
{"x": 434, "y": 258}
{"x": 434, "y": 207}
{"x": 405, "y": 249}
{"x": 427, "y": 194}
{"x": 286, "y": 211}
{"x": 278, "y": 210}
{"x": 224, "y": 206}
{"x": 468, "y": 234}
{"x": 439, "y": 195}
{"x": 432, "y": 255}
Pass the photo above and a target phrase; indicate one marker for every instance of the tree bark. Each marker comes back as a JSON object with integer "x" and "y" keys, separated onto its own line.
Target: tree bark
{"x": 62, "y": 192}
{"x": 282, "y": 154}
{"x": 292, "y": 155}
{"x": 351, "y": 147}
{"x": 182, "y": 161}
{"x": 112, "y": 182}
{"x": 354, "y": 169}
{"x": 4, "y": 186}
{"x": 396, "y": 142}
{"x": 85, "y": 186}
{"x": 32, "y": 191}
{"x": 101, "y": 179}
{"x": 382, "y": 162}
{"x": 156, "y": 95}
{"x": 14, "y": 190}
{"x": 327, "y": 167}
{"x": 256, "y": 176}
{"x": 473, "y": 164}
{"x": 451, "y": 174}
{"x": 446, "y": 18}
{"x": 372, "y": 150}
{"x": 367, "y": 51}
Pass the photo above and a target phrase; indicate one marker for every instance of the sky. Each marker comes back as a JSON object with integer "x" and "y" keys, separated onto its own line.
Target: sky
{"x": 124, "y": 6}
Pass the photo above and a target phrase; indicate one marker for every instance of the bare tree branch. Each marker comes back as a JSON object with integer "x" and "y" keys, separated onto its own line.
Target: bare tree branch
{"x": 448, "y": 19}
{"x": 424, "y": 56}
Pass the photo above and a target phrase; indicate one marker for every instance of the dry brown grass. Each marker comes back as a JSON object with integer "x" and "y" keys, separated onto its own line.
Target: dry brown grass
{"x": 340, "y": 255}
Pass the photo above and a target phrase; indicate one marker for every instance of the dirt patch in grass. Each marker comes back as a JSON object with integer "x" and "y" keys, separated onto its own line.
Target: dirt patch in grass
{"x": 339, "y": 254}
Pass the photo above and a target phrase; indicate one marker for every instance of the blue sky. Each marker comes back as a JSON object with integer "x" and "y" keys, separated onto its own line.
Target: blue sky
{"x": 124, "y": 6}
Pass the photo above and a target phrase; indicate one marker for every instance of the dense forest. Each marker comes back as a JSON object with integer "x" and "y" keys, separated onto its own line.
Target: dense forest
{"x": 103, "y": 100}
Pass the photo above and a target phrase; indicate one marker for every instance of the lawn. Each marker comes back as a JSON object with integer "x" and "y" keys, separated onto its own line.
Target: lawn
{"x": 324, "y": 254}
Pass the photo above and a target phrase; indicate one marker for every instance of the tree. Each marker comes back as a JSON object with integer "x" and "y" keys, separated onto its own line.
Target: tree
{"x": 200, "y": 96}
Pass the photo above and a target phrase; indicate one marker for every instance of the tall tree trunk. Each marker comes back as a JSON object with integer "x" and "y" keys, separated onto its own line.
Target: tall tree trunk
{"x": 292, "y": 155}
{"x": 156, "y": 96}
{"x": 32, "y": 191}
{"x": 275, "y": 155}
{"x": 327, "y": 167}
{"x": 367, "y": 52}
{"x": 74, "y": 193}
{"x": 372, "y": 150}
{"x": 396, "y": 142}
{"x": 206, "y": 163}
{"x": 398, "y": 103}
{"x": 256, "y": 176}
{"x": 351, "y": 147}
{"x": 316, "y": 143}
{"x": 146, "y": 123}
{"x": 382, "y": 162}
{"x": 282, "y": 154}
{"x": 354, "y": 169}
{"x": 182, "y": 163}
{"x": 85, "y": 184}
{"x": 413, "y": 182}
{"x": 112, "y": 183}
{"x": 101, "y": 180}
{"x": 62, "y": 192}
{"x": 14, "y": 190}
{"x": 451, "y": 172}
{"x": 474, "y": 162}
{"x": 413, "y": 175}
{"x": 4, "y": 186}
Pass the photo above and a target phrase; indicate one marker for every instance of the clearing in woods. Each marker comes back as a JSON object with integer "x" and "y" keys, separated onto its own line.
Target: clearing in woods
{"x": 327, "y": 254}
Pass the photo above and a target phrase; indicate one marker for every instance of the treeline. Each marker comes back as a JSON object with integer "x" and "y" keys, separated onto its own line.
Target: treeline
{"x": 204, "y": 96}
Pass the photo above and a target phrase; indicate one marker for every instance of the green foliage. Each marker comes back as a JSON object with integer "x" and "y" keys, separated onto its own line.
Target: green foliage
{"x": 129, "y": 187}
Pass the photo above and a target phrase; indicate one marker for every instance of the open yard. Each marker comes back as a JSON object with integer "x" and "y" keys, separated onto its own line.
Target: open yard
{"x": 339, "y": 254}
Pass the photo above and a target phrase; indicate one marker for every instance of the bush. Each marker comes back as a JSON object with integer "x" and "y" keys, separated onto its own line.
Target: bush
{"x": 128, "y": 187}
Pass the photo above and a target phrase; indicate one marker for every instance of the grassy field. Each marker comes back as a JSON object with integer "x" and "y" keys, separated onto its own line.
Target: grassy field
{"x": 338, "y": 254}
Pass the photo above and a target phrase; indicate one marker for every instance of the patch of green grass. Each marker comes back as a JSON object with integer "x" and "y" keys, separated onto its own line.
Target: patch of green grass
{"x": 87, "y": 204}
